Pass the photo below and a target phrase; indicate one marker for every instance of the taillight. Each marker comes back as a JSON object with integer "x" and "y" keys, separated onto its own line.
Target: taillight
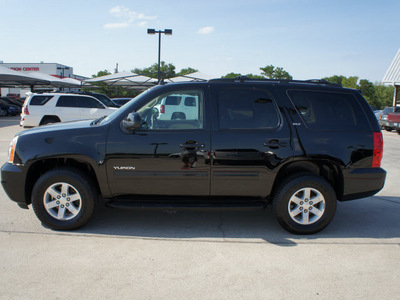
{"x": 378, "y": 150}
{"x": 26, "y": 110}
{"x": 162, "y": 109}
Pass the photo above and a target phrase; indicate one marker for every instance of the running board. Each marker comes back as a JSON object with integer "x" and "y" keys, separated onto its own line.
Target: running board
{"x": 184, "y": 204}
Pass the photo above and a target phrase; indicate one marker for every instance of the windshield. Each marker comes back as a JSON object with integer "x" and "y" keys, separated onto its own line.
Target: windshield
{"x": 124, "y": 109}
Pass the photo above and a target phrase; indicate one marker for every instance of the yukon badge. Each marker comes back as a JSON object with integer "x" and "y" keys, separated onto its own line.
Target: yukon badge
{"x": 124, "y": 168}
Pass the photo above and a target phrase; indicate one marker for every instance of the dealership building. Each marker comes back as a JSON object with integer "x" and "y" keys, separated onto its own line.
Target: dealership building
{"x": 53, "y": 69}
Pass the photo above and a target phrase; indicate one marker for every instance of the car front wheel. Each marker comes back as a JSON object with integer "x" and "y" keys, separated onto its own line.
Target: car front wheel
{"x": 63, "y": 199}
{"x": 305, "y": 204}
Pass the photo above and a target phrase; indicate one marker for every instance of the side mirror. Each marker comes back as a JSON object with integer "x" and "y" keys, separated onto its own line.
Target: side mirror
{"x": 132, "y": 122}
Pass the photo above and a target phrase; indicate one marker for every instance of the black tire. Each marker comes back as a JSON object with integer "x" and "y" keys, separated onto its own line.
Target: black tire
{"x": 398, "y": 131}
{"x": 295, "y": 209}
{"x": 387, "y": 128}
{"x": 49, "y": 120}
{"x": 3, "y": 112}
{"x": 70, "y": 202}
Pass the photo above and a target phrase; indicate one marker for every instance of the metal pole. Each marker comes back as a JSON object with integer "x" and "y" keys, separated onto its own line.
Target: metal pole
{"x": 159, "y": 56}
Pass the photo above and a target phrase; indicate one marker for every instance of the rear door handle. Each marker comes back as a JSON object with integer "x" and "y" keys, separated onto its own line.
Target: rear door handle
{"x": 275, "y": 144}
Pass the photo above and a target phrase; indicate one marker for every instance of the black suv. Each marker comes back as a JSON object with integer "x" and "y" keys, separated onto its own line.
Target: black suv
{"x": 298, "y": 145}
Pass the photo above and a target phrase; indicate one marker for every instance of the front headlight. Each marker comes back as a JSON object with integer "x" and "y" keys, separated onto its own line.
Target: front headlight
{"x": 11, "y": 150}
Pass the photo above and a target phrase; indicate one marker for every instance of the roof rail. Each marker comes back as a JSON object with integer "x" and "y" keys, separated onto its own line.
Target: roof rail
{"x": 247, "y": 79}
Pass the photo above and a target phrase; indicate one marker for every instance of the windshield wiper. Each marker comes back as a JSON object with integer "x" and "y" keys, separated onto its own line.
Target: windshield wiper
{"x": 97, "y": 121}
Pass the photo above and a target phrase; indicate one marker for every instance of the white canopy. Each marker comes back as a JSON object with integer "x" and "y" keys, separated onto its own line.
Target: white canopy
{"x": 55, "y": 81}
{"x": 196, "y": 76}
{"x": 11, "y": 78}
{"x": 125, "y": 79}
{"x": 392, "y": 75}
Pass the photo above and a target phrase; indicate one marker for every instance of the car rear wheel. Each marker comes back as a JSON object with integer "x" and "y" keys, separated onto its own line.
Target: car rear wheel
{"x": 305, "y": 204}
{"x": 3, "y": 112}
{"x": 64, "y": 199}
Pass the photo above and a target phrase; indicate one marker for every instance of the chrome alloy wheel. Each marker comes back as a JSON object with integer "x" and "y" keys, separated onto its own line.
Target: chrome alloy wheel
{"x": 306, "y": 206}
{"x": 62, "y": 201}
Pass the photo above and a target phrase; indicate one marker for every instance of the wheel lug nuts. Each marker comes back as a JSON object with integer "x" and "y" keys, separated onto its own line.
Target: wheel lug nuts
{"x": 68, "y": 199}
{"x": 67, "y": 204}
{"x": 310, "y": 208}
{"x": 306, "y": 200}
{"x": 62, "y": 206}
{"x": 301, "y": 202}
{"x": 301, "y": 208}
{"x": 63, "y": 195}
{"x": 305, "y": 210}
{"x": 58, "y": 197}
{"x": 311, "y": 203}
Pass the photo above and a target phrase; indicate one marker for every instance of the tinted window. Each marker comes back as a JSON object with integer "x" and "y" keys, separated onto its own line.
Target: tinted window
{"x": 329, "y": 111}
{"x": 87, "y": 102}
{"x": 40, "y": 100}
{"x": 66, "y": 101}
{"x": 172, "y": 100}
{"x": 246, "y": 109}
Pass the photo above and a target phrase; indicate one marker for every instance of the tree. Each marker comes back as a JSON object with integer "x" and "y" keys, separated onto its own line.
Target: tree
{"x": 350, "y": 82}
{"x": 367, "y": 88}
{"x": 384, "y": 95}
{"x": 101, "y": 73}
{"x": 186, "y": 71}
{"x": 335, "y": 79}
{"x": 272, "y": 72}
{"x": 167, "y": 70}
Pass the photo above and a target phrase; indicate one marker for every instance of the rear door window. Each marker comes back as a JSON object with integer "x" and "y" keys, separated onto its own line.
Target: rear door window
{"x": 66, "y": 101}
{"x": 246, "y": 108}
{"x": 329, "y": 111}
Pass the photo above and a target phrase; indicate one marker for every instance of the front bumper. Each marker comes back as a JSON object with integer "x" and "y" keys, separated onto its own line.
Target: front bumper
{"x": 361, "y": 183}
{"x": 13, "y": 181}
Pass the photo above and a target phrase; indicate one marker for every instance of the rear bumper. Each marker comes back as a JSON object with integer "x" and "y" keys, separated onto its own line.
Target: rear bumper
{"x": 361, "y": 183}
{"x": 13, "y": 181}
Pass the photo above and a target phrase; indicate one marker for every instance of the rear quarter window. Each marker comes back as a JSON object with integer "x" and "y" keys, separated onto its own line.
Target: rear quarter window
{"x": 40, "y": 100}
{"x": 329, "y": 111}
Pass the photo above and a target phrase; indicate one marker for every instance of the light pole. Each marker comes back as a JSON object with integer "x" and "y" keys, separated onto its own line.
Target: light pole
{"x": 166, "y": 32}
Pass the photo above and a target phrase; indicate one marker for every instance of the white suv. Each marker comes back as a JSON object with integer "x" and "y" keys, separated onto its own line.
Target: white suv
{"x": 40, "y": 109}
{"x": 184, "y": 106}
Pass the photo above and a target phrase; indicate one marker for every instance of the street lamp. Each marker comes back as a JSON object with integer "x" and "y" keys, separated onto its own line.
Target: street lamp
{"x": 166, "y": 32}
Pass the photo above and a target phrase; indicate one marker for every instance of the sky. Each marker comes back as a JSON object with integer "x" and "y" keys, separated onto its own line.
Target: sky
{"x": 308, "y": 38}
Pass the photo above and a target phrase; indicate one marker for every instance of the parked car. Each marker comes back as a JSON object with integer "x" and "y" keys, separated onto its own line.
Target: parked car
{"x": 13, "y": 101}
{"x": 121, "y": 101}
{"x": 101, "y": 97}
{"x": 383, "y": 121}
{"x": 394, "y": 121}
{"x": 378, "y": 114}
{"x": 178, "y": 106}
{"x": 13, "y": 95}
{"x": 7, "y": 101}
{"x": 299, "y": 146}
{"x": 45, "y": 108}
{"x": 7, "y": 109}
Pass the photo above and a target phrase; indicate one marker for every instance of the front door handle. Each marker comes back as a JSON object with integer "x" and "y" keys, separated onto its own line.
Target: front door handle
{"x": 275, "y": 144}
